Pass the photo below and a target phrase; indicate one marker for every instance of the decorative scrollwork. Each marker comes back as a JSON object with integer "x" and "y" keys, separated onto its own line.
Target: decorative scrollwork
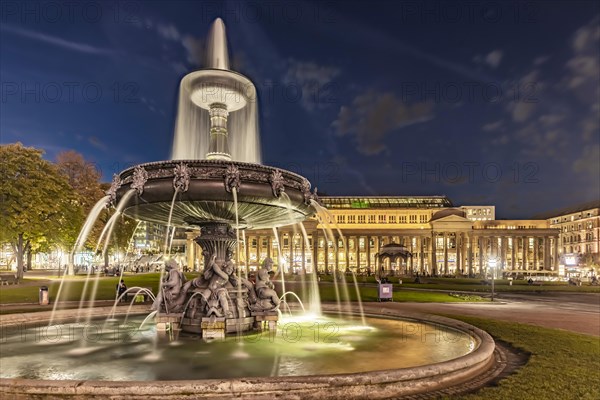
{"x": 277, "y": 183}
{"x": 140, "y": 176}
{"x": 181, "y": 178}
{"x": 112, "y": 191}
{"x": 232, "y": 178}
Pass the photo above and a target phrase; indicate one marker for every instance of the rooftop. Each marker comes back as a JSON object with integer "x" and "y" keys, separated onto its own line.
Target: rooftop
{"x": 569, "y": 210}
{"x": 370, "y": 202}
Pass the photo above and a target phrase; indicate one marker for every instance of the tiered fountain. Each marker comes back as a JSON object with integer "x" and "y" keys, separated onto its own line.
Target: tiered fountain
{"x": 219, "y": 194}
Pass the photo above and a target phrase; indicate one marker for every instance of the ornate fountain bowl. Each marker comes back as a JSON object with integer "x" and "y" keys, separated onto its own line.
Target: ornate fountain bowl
{"x": 209, "y": 86}
{"x": 266, "y": 196}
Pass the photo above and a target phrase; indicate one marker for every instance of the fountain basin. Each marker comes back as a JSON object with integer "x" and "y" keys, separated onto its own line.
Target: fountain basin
{"x": 370, "y": 384}
{"x": 209, "y": 86}
{"x": 208, "y": 194}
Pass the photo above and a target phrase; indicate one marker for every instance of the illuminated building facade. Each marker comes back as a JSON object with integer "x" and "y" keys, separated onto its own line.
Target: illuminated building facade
{"x": 579, "y": 238}
{"x": 443, "y": 239}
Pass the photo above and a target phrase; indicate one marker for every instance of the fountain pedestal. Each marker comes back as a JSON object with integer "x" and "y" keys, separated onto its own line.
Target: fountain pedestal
{"x": 213, "y": 328}
{"x": 216, "y": 239}
{"x": 265, "y": 320}
{"x": 168, "y": 326}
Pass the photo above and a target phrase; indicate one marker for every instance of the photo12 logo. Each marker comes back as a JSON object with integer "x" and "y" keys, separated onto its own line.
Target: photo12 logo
{"x": 72, "y": 12}
{"x": 469, "y": 172}
{"x": 68, "y": 92}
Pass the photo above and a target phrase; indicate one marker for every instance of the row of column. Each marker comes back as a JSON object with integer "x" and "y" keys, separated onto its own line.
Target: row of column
{"x": 433, "y": 253}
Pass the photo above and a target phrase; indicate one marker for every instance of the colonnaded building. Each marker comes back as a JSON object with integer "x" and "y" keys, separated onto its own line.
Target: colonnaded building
{"x": 442, "y": 239}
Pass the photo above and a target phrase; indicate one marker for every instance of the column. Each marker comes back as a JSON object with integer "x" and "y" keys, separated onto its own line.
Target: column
{"x": 471, "y": 239}
{"x": 412, "y": 265}
{"x": 433, "y": 253}
{"x": 503, "y": 242}
{"x": 269, "y": 245}
{"x": 247, "y": 252}
{"x": 546, "y": 253}
{"x": 189, "y": 249}
{"x": 535, "y": 253}
{"x": 422, "y": 254}
{"x": 347, "y": 252}
{"x": 525, "y": 253}
{"x": 458, "y": 257}
{"x": 357, "y": 248}
{"x": 480, "y": 246}
{"x": 368, "y": 244}
{"x": 446, "y": 253}
{"x": 513, "y": 259}
{"x": 555, "y": 263}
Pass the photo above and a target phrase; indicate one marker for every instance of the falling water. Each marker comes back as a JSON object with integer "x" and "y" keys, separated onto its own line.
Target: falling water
{"x": 237, "y": 235}
{"x": 244, "y": 249}
{"x": 108, "y": 229}
{"x": 129, "y": 244}
{"x": 237, "y": 261}
{"x": 280, "y": 259}
{"x": 89, "y": 223}
{"x": 217, "y": 56}
{"x": 81, "y": 239}
{"x": 111, "y": 223}
{"x": 191, "y": 140}
{"x": 327, "y": 220}
{"x": 167, "y": 247}
{"x": 314, "y": 298}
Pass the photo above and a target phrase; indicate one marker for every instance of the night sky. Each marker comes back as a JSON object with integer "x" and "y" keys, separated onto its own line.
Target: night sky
{"x": 495, "y": 103}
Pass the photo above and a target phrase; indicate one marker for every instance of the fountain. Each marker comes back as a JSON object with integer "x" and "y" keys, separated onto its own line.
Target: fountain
{"x": 215, "y": 183}
{"x": 219, "y": 194}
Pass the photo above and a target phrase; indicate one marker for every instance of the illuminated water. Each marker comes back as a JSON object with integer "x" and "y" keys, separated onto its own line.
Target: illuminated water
{"x": 304, "y": 346}
{"x": 191, "y": 139}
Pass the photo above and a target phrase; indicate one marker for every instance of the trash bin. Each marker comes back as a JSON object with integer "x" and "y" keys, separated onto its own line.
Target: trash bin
{"x": 385, "y": 292}
{"x": 44, "y": 298}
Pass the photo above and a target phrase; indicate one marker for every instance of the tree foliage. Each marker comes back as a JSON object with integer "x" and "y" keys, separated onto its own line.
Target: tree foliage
{"x": 84, "y": 179}
{"x": 37, "y": 204}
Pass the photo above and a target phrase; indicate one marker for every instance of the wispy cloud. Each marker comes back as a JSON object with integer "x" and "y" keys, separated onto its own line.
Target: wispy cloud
{"x": 375, "y": 115}
{"x": 94, "y": 141}
{"x": 493, "y": 58}
{"x": 56, "y": 41}
{"x": 314, "y": 80}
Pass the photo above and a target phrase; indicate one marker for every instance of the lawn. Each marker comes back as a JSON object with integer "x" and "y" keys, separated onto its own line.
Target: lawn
{"x": 73, "y": 289}
{"x": 476, "y": 285}
{"x": 562, "y": 365}
{"x": 368, "y": 293}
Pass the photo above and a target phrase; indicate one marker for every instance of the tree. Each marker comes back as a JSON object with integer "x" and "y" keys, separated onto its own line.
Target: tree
{"x": 84, "y": 179}
{"x": 36, "y": 202}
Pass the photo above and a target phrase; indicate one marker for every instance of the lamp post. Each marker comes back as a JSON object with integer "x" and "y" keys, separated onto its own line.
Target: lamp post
{"x": 492, "y": 264}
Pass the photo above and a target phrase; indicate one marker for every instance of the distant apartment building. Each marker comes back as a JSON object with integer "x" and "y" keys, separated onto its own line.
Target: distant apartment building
{"x": 579, "y": 237}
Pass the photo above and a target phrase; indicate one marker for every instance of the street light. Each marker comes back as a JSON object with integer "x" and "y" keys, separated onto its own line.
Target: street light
{"x": 492, "y": 264}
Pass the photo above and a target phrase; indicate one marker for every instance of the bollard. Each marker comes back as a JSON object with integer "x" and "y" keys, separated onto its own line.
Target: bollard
{"x": 44, "y": 297}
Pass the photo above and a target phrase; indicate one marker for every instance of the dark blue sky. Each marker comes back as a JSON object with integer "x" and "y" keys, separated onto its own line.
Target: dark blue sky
{"x": 490, "y": 104}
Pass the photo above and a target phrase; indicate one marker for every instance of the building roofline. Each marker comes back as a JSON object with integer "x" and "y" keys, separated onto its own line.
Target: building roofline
{"x": 569, "y": 210}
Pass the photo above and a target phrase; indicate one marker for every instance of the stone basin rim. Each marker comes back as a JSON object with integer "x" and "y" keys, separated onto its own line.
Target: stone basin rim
{"x": 373, "y": 384}
{"x": 205, "y": 162}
